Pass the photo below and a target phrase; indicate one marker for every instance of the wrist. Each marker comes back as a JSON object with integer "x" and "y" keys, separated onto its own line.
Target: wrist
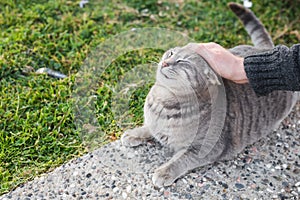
{"x": 240, "y": 73}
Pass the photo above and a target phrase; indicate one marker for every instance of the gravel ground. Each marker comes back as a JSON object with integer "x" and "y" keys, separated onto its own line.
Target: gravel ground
{"x": 269, "y": 169}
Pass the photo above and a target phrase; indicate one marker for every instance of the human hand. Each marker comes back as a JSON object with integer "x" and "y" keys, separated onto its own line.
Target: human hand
{"x": 221, "y": 60}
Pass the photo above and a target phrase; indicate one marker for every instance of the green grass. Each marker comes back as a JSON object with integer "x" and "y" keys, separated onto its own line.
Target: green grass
{"x": 37, "y": 129}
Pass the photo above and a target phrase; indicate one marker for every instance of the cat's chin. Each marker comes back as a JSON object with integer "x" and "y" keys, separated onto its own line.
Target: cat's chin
{"x": 164, "y": 79}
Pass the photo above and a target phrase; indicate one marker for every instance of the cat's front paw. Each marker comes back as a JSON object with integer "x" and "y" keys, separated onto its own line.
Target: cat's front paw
{"x": 130, "y": 139}
{"x": 163, "y": 176}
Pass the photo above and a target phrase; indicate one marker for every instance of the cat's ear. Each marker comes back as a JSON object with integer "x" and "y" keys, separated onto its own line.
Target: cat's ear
{"x": 211, "y": 77}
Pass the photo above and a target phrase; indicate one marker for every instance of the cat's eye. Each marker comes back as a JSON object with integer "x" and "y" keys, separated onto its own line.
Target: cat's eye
{"x": 170, "y": 54}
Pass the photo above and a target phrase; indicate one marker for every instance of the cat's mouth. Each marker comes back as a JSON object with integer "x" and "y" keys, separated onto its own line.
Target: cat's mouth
{"x": 165, "y": 75}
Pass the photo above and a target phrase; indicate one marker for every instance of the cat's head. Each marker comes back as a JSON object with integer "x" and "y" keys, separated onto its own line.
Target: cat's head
{"x": 181, "y": 66}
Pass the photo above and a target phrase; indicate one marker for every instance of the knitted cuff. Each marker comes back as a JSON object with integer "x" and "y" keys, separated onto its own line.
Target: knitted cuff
{"x": 278, "y": 69}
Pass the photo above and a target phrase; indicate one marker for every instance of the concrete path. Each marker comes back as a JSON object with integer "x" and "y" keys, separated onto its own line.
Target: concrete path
{"x": 269, "y": 169}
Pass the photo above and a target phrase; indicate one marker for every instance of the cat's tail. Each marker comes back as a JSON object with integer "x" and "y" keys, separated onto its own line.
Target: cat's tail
{"x": 259, "y": 35}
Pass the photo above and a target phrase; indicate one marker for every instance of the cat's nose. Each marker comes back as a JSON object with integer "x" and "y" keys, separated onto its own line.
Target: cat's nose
{"x": 164, "y": 64}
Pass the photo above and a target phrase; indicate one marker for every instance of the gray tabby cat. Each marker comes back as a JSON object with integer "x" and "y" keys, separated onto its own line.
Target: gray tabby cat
{"x": 179, "y": 108}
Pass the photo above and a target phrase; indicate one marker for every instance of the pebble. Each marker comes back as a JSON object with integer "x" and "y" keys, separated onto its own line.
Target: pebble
{"x": 285, "y": 184}
{"x": 194, "y": 175}
{"x": 278, "y": 144}
{"x": 113, "y": 178}
{"x": 269, "y": 165}
{"x": 130, "y": 155}
{"x": 128, "y": 189}
{"x": 115, "y": 189}
{"x": 294, "y": 193}
{"x": 75, "y": 173}
{"x": 239, "y": 185}
{"x": 284, "y": 166}
{"x": 297, "y": 184}
{"x": 225, "y": 185}
{"x": 278, "y": 167}
{"x": 269, "y": 190}
{"x": 124, "y": 195}
{"x": 166, "y": 193}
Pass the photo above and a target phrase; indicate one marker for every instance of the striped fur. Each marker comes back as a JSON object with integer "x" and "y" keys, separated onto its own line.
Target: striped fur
{"x": 259, "y": 35}
{"x": 178, "y": 109}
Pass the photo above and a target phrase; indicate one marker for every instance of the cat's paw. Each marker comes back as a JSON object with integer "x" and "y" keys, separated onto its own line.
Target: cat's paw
{"x": 130, "y": 139}
{"x": 163, "y": 176}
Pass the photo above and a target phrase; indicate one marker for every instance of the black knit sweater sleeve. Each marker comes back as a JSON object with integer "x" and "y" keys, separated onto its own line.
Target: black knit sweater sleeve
{"x": 277, "y": 69}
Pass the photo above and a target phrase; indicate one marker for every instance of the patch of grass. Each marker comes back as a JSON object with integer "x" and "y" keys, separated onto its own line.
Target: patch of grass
{"x": 37, "y": 130}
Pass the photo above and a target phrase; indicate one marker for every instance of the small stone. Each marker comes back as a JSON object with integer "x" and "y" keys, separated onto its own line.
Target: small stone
{"x": 298, "y": 190}
{"x": 269, "y": 190}
{"x": 269, "y": 165}
{"x": 224, "y": 185}
{"x": 286, "y": 145}
{"x": 206, "y": 186}
{"x": 253, "y": 186}
{"x": 285, "y": 184}
{"x": 75, "y": 173}
{"x": 194, "y": 175}
{"x": 297, "y": 184}
{"x": 239, "y": 185}
{"x": 88, "y": 175}
{"x": 284, "y": 166}
{"x": 128, "y": 188}
{"x": 166, "y": 193}
{"x": 277, "y": 167}
{"x": 188, "y": 196}
{"x": 275, "y": 196}
{"x": 279, "y": 144}
{"x": 124, "y": 195}
{"x": 116, "y": 189}
{"x": 130, "y": 155}
{"x": 294, "y": 193}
